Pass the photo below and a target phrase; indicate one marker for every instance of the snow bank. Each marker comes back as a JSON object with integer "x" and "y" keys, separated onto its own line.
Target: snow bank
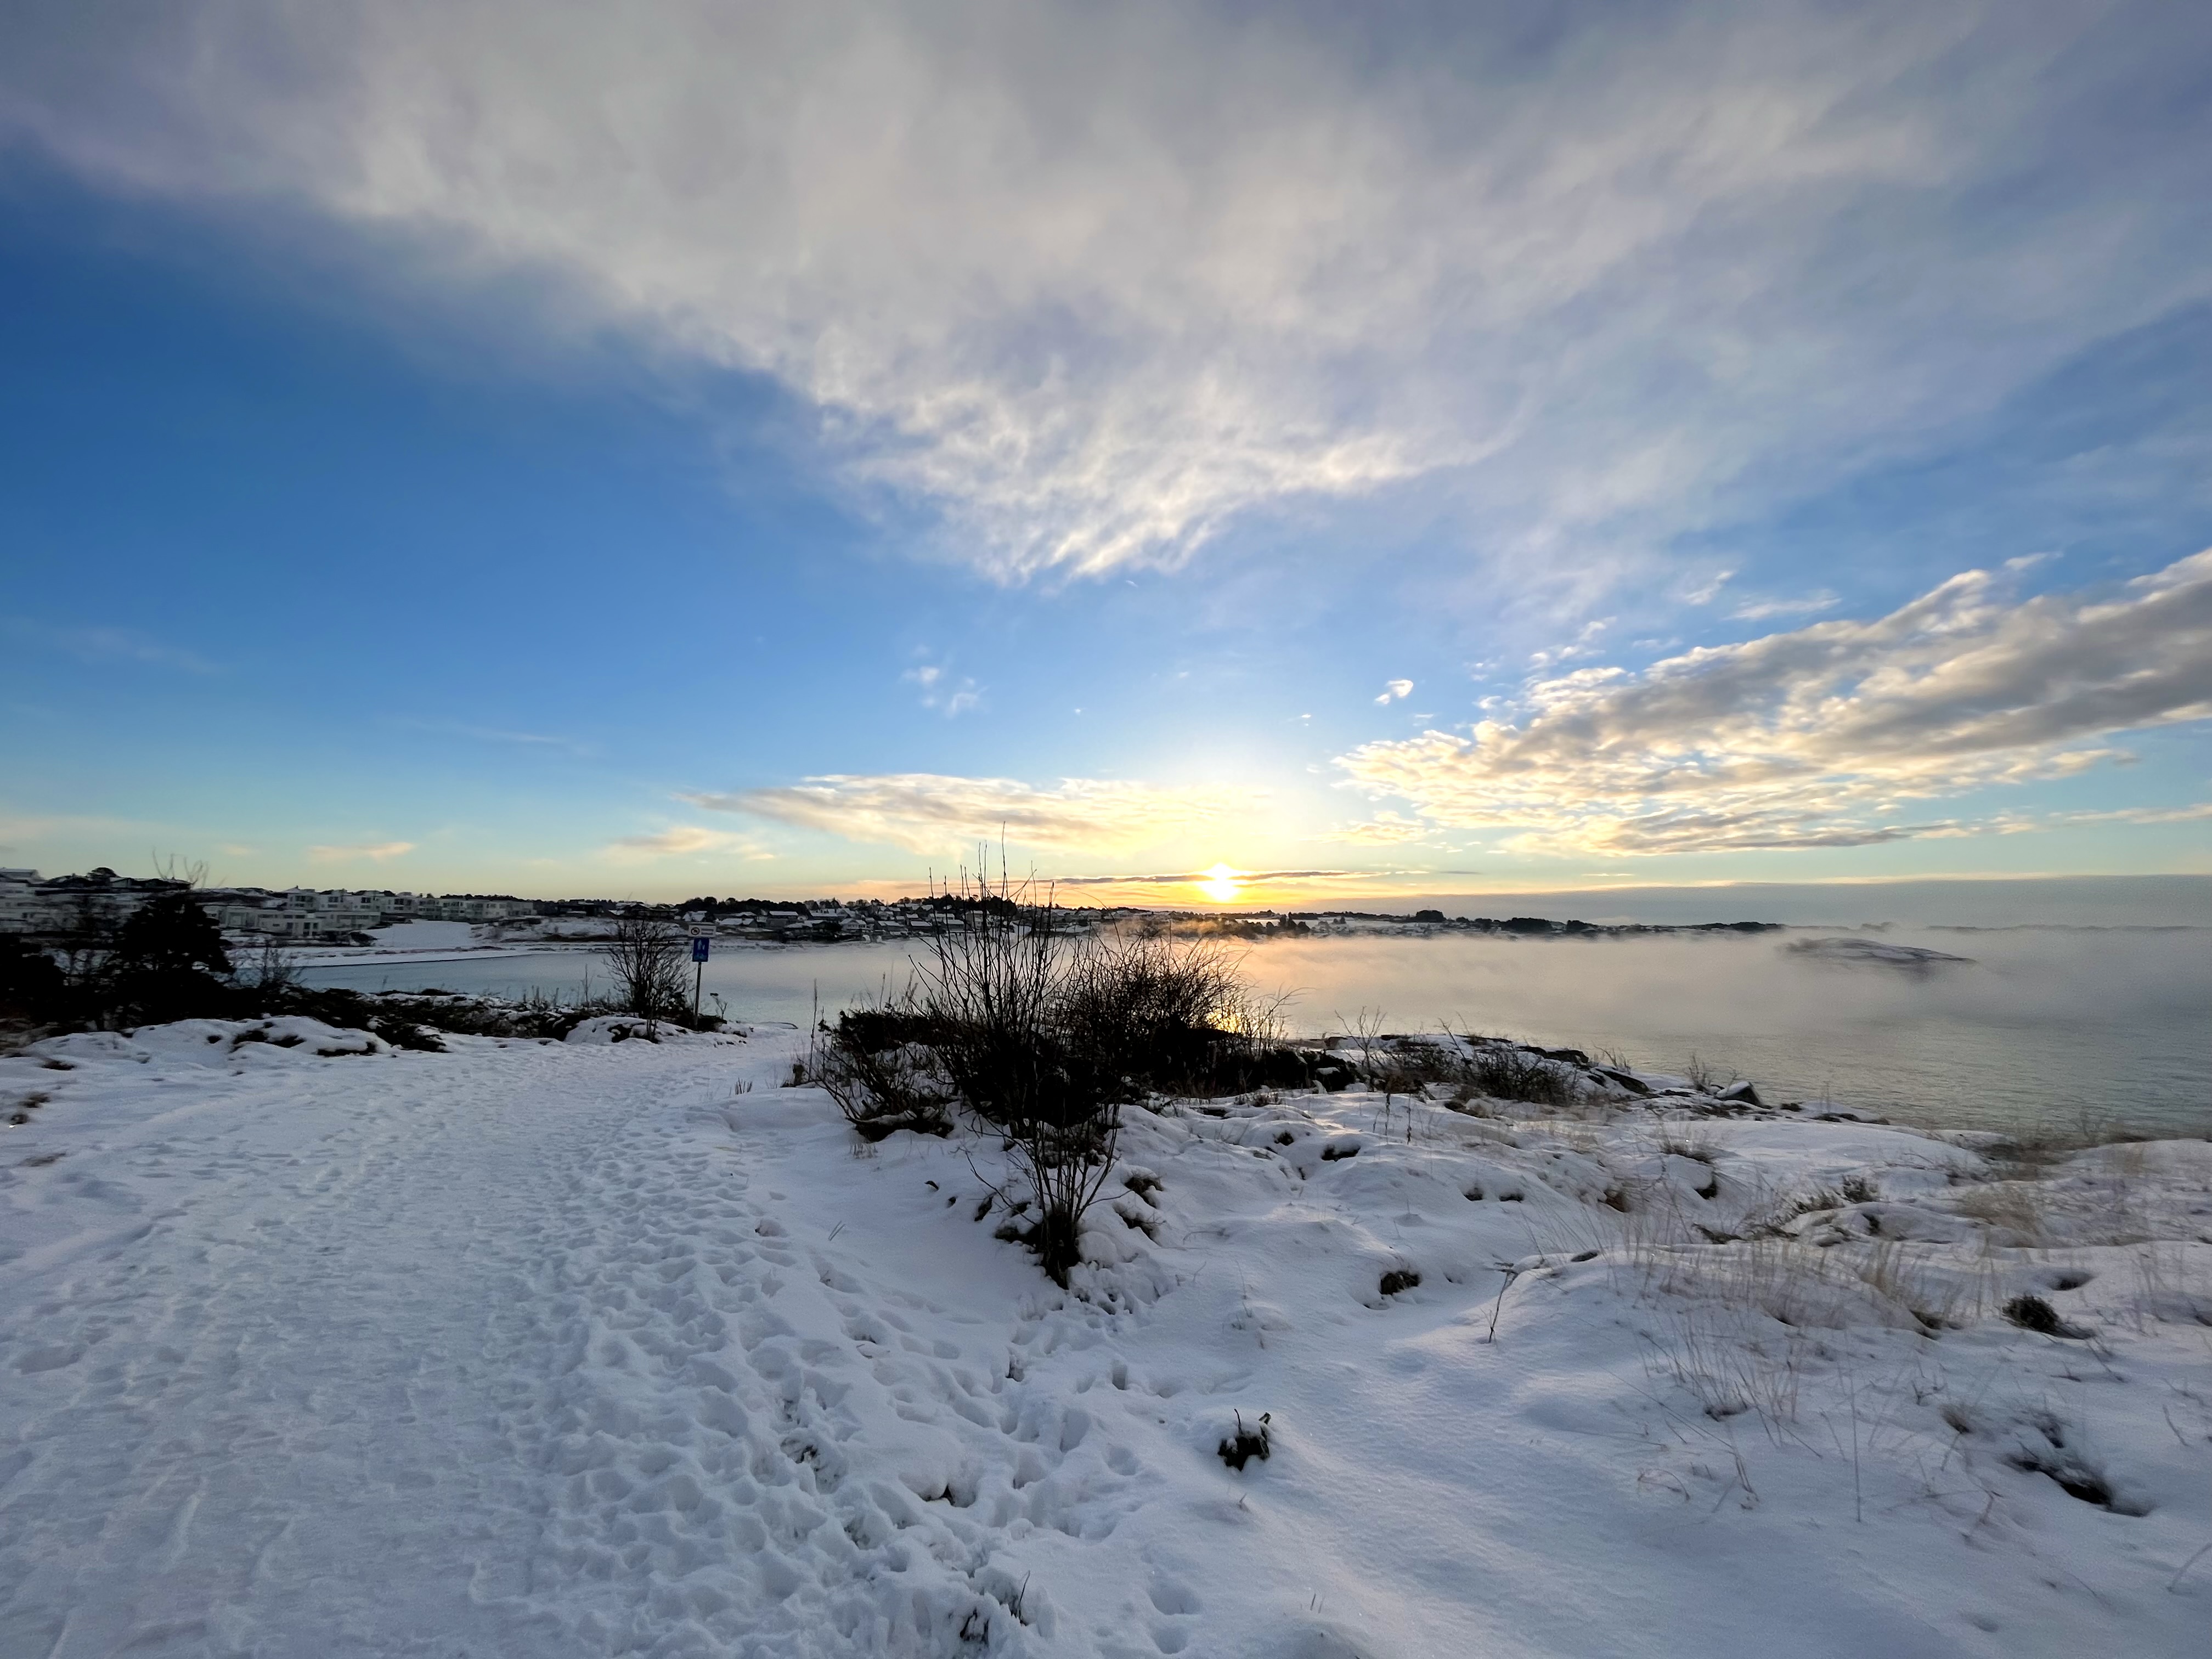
{"x": 621, "y": 1347}
{"x": 606, "y": 1028}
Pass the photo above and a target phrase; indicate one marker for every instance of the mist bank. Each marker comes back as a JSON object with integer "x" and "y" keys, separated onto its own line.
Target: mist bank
{"x": 2038, "y": 1029}
{"x": 2163, "y": 900}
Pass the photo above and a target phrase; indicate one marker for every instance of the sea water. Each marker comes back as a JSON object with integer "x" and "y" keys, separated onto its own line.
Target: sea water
{"x": 2043, "y": 1027}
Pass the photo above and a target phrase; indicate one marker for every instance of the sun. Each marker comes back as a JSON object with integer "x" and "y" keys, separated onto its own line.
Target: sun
{"x": 1220, "y": 884}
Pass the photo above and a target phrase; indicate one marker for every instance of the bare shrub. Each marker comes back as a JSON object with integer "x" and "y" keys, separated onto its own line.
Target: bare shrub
{"x": 270, "y": 972}
{"x": 988, "y": 990}
{"x": 1044, "y": 1032}
{"x": 646, "y": 960}
{"x": 1407, "y": 1065}
{"x": 1364, "y": 1033}
{"x": 993, "y": 990}
{"x": 1162, "y": 1013}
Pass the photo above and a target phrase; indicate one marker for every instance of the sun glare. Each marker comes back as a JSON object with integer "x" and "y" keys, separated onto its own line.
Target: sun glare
{"x": 1220, "y": 885}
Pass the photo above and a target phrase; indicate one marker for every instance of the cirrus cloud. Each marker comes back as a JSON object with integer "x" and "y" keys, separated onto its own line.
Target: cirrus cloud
{"x": 1824, "y": 736}
{"x": 373, "y": 853}
{"x": 930, "y": 812}
{"x": 108, "y": 644}
{"x": 1095, "y": 279}
{"x": 683, "y": 839}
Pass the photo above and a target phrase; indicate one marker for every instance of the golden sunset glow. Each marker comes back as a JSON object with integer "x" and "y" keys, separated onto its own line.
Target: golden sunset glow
{"x": 1221, "y": 884}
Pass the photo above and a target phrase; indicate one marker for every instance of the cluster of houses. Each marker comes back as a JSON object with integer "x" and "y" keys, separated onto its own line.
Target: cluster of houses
{"x": 59, "y": 905}
{"x": 808, "y": 920}
{"x": 100, "y": 898}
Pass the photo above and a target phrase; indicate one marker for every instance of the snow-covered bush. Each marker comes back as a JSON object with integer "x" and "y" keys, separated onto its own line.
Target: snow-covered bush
{"x": 1506, "y": 1070}
{"x": 883, "y": 1077}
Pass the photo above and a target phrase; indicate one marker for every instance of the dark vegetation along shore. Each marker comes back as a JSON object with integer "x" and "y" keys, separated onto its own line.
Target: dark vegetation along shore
{"x": 166, "y": 961}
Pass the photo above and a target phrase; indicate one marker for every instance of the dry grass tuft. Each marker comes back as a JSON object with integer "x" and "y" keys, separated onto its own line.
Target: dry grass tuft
{"x": 2012, "y": 1211}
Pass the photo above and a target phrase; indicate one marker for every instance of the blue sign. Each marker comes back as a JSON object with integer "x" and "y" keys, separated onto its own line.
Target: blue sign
{"x": 699, "y": 949}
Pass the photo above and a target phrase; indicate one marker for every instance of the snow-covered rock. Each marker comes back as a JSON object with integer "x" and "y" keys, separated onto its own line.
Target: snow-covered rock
{"x": 606, "y": 1028}
{"x": 1872, "y": 950}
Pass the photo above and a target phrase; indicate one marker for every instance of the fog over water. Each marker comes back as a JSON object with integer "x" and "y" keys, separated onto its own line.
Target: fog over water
{"x": 2044, "y": 1026}
{"x": 2040, "y": 1027}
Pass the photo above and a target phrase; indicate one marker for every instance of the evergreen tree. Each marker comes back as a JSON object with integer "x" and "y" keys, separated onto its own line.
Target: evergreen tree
{"x": 31, "y": 984}
{"x": 171, "y": 933}
{"x": 168, "y": 959}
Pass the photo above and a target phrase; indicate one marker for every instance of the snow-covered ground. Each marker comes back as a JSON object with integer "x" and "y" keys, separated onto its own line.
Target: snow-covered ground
{"x": 308, "y": 1347}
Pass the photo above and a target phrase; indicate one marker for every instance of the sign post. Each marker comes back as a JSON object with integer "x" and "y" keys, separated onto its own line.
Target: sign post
{"x": 699, "y": 946}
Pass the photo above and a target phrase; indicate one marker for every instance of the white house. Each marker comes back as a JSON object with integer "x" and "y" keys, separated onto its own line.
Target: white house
{"x": 19, "y": 900}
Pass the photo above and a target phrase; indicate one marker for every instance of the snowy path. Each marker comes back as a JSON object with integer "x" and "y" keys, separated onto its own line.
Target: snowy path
{"x": 569, "y": 1350}
{"x": 316, "y": 1353}
{"x": 514, "y": 1363}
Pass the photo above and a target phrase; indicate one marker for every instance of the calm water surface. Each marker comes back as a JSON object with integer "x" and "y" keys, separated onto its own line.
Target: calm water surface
{"x": 2043, "y": 1027}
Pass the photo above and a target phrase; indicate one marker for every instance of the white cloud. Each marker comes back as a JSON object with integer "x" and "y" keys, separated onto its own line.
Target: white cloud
{"x": 1811, "y": 604}
{"x": 1583, "y": 644}
{"x": 940, "y": 691}
{"x": 1823, "y": 737}
{"x": 683, "y": 839}
{"x": 928, "y": 812}
{"x": 1384, "y": 829}
{"x": 1098, "y": 278}
{"x": 1706, "y": 592}
{"x": 1394, "y": 691}
{"x": 374, "y": 853}
{"x": 496, "y": 735}
{"x": 2190, "y": 814}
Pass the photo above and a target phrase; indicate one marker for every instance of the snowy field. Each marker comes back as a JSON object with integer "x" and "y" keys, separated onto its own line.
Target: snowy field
{"x": 309, "y": 1347}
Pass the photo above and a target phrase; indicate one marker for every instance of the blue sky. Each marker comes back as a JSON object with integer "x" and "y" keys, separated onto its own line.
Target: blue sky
{"x": 486, "y": 447}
